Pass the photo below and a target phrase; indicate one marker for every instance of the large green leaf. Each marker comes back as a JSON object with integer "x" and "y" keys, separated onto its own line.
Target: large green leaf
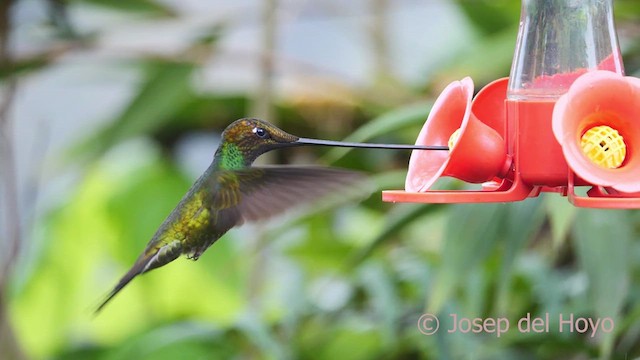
{"x": 522, "y": 220}
{"x": 602, "y": 240}
{"x": 471, "y": 235}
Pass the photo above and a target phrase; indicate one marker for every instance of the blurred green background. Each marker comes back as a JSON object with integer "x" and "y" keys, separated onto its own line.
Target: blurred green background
{"x": 110, "y": 109}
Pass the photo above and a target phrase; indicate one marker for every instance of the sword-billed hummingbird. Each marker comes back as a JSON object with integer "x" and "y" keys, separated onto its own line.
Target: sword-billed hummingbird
{"x": 231, "y": 191}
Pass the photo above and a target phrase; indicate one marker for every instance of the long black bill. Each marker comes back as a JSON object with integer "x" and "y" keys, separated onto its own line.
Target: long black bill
{"x": 307, "y": 141}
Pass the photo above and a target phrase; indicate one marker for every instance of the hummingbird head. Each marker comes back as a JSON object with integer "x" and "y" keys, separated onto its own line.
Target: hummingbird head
{"x": 246, "y": 139}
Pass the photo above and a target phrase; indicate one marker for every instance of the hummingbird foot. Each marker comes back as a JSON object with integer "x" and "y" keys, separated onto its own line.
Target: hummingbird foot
{"x": 196, "y": 254}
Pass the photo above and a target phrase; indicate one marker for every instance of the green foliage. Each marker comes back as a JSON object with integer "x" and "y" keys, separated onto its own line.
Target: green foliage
{"x": 606, "y": 262}
{"x": 165, "y": 89}
{"x": 148, "y": 7}
{"x": 491, "y": 16}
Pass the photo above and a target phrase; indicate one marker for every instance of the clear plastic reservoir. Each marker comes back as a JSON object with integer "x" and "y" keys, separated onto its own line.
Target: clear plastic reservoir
{"x": 558, "y": 41}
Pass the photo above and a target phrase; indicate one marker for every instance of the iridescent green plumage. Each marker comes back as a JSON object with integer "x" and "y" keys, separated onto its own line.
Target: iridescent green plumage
{"x": 231, "y": 192}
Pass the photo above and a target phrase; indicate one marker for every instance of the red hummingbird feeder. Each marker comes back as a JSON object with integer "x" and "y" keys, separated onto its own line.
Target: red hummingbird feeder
{"x": 566, "y": 118}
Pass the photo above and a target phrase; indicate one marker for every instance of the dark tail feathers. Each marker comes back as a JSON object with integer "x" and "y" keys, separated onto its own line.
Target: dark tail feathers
{"x": 136, "y": 270}
{"x": 146, "y": 262}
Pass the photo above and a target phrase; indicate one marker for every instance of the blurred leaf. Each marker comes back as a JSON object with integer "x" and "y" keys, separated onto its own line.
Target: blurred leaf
{"x": 477, "y": 285}
{"x": 561, "y": 218}
{"x": 491, "y": 16}
{"x": 386, "y": 123}
{"x": 471, "y": 235}
{"x": 257, "y": 332}
{"x": 321, "y": 249}
{"x": 65, "y": 274}
{"x": 487, "y": 59}
{"x": 627, "y": 10}
{"x": 211, "y": 35}
{"x": 384, "y": 299}
{"x": 397, "y": 219}
{"x": 179, "y": 340}
{"x": 23, "y": 66}
{"x": 602, "y": 240}
{"x": 351, "y": 344}
{"x": 166, "y": 88}
{"x": 389, "y": 179}
{"x": 348, "y": 341}
{"x": 133, "y": 6}
{"x": 145, "y": 199}
{"x": 82, "y": 353}
{"x": 522, "y": 220}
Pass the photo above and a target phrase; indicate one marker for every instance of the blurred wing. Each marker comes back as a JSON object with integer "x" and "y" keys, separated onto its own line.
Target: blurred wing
{"x": 259, "y": 193}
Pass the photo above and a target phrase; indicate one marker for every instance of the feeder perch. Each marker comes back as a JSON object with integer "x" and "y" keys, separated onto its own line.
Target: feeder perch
{"x": 566, "y": 118}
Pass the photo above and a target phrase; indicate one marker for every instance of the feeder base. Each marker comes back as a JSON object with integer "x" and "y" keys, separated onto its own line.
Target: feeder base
{"x": 506, "y": 191}
{"x": 602, "y": 197}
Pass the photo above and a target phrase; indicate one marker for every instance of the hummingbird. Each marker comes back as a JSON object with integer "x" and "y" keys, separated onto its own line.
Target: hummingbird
{"x": 231, "y": 191}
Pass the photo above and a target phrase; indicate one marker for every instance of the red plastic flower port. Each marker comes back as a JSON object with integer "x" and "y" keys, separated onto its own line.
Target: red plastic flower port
{"x": 425, "y": 167}
{"x": 477, "y": 152}
{"x": 597, "y": 123}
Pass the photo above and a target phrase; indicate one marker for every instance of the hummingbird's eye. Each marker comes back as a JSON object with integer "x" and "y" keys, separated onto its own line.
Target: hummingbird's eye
{"x": 260, "y": 132}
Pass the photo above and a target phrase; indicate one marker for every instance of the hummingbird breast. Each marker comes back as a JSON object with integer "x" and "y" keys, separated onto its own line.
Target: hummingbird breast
{"x": 193, "y": 225}
{"x": 197, "y": 222}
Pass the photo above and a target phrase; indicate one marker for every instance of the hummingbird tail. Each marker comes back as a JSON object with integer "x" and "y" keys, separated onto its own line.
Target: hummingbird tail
{"x": 146, "y": 262}
{"x": 136, "y": 270}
